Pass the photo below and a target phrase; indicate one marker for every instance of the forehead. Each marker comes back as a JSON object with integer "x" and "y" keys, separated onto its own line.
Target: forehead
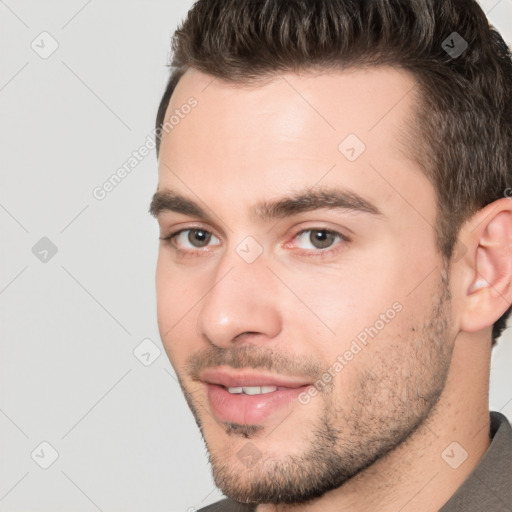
{"x": 317, "y": 104}
{"x": 342, "y": 127}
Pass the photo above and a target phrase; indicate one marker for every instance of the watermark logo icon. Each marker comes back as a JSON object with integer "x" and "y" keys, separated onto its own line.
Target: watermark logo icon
{"x": 249, "y": 249}
{"x": 146, "y": 352}
{"x": 44, "y": 455}
{"x": 454, "y": 455}
{"x": 45, "y": 45}
{"x": 249, "y": 454}
{"x": 351, "y": 147}
{"x": 459, "y": 251}
{"x": 44, "y": 250}
{"x": 454, "y": 45}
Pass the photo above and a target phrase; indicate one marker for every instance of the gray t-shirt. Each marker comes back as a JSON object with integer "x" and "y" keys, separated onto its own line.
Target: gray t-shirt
{"x": 487, "y": 489}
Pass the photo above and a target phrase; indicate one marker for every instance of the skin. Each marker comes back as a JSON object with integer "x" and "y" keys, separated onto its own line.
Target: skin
{"x": 419, "y": 385}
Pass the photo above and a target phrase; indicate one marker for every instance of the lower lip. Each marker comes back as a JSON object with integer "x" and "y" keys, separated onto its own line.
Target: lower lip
{"x": 249, "y": 409}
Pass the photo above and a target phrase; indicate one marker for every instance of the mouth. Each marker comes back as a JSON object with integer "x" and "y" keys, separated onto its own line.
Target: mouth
{"x": 253, "y": 390}
{"x": 249, "y": 398}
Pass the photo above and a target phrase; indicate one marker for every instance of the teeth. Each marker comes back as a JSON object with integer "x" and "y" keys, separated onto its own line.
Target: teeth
{"x": 253, "y": 390}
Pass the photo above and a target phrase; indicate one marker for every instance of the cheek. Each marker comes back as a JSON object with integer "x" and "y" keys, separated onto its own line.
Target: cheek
{"x": 177, "y": 330}
{"x": 165, "y": 284}
{"x": 176, "y": 298}
{"x": 364, "y": 356}
{"x": 345, "y": 300}
{"x": 176, "y": 290}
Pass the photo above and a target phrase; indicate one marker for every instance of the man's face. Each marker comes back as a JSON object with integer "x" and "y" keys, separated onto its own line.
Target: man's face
{"x": 340, "y": 284}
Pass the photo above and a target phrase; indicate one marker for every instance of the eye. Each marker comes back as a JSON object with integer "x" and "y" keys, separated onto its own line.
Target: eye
{"x": 194, "y": 238}
{"x": 318, "y": 238}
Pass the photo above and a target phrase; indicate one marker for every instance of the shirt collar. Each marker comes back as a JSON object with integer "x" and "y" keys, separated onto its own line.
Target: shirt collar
{"x": 489, "y": 486}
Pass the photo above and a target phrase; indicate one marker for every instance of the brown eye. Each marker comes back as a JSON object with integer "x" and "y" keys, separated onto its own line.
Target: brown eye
{"x": 199, "y": 237}
{"x": 321, "y": 238}
{"x": 192, "y": 238}
{"x": 319, "y": 242}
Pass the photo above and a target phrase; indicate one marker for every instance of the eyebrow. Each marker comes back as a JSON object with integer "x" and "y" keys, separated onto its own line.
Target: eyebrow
{"x": 299, "y": 202}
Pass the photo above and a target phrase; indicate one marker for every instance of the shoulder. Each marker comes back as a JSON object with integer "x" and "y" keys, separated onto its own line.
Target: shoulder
{"x": 227, "y": 505}
{"x": 489, "y": 485}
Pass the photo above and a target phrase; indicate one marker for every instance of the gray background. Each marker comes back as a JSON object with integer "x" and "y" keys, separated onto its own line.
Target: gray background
{"x": 125, "y": 438}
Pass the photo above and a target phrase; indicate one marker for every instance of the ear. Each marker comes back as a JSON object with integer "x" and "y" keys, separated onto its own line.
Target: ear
{"x": 487, "y": 266}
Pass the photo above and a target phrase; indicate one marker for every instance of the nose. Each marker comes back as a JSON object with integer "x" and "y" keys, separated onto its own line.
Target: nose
{"x": 242, "y": 304}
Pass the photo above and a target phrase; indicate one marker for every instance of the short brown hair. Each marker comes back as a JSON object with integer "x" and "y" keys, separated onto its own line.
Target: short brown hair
{"x": 463, "y": 139}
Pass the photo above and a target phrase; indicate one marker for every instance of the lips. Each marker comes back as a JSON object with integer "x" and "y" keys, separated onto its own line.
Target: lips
{"x": 248, "y": 378}
{"x": 252, "y": 397}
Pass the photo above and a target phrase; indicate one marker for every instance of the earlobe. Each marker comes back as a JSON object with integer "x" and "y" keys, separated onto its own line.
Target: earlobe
{"x": 489, "y": 266}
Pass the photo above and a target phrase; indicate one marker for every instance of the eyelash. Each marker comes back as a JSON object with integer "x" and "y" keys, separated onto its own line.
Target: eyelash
{"x": 319, "y": 253}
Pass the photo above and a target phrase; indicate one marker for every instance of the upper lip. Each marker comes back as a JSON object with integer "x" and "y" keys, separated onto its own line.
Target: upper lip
{"x": 245, "y": 378}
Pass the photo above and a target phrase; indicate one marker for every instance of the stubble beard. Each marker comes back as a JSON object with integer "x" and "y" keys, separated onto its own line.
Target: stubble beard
{"x": 384, "y": 411}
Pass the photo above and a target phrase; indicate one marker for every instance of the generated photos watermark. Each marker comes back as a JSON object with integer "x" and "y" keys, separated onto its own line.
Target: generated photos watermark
{"x": 356, "y": 346}
{"x": 100, "y": 192}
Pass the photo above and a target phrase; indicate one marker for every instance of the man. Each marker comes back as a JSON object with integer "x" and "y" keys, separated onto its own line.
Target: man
{"x": 336, "y": 250}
